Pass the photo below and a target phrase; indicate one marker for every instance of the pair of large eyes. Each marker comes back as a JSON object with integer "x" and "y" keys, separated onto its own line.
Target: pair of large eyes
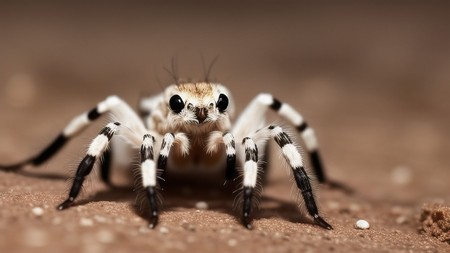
{"x": 177, "y": 104}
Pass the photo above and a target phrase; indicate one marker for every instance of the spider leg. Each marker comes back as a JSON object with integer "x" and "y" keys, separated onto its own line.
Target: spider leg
{"x": 113, "y": 104}
{"x": 302, "y": 180}
{"x": 147, "y": 112}
{"x": 292, "y": 156}
{"x": 217, "y": 138}
{"x": 250, "y": 179}
{"x": 166, "y": 145}
{"x": 105, "y": 168}
{"x": 96, "y": 149}
{"x": 228, "y": 140}
{"x": 148, "y": 172}
{"x": 257, "y": 110}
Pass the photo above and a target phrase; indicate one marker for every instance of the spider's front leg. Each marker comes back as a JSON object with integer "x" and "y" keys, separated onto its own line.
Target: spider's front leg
{"x": 294, "y": 160}
{"x": 149, "y": 169}
{"x": 96, "y": 149}
{"x": 250, "y": 179}
{"x": 302, "y": 180}
{"x": 148, "y": 172}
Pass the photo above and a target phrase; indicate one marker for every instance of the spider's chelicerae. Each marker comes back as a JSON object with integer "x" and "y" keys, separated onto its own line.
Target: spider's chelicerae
{"x": 188, "y": 126}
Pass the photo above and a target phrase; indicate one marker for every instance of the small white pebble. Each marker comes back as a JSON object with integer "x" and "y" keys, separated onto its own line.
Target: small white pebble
{"x": 37, "y": 211}
{"x": 143, "y": 230}
{"x": 137, "y": 219}
{"x": 401, "y": 220}
{"x": 201, "y": 205}
{"x": 163, "y": 230}
{"x": 362, "y": 224}
{"x": 100, "y": 219}
{"x": 119, "y": 221}
{"x": 225, "y": 231}
{"x": 85, "y": 222}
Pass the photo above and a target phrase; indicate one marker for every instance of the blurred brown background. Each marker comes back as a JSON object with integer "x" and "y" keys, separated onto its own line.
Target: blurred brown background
{"x": 371, "y": 78}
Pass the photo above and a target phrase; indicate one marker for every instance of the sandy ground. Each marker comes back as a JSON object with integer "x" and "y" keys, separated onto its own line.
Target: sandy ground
{"x": 373, "y": 81}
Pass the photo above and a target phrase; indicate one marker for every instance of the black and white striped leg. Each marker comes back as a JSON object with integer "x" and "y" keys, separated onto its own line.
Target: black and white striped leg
{"x": 96, "y": 149}
{"x": 302, "y": 180}
{"x": 78, "y": 124}
{"x": 307, "y": 133}
{"x": 250, "y": 179}
{"x": 230, "y": 148}
{"x": 105, "y": 168}
{"x": 48, "y": 152}
{"x": 166, "y": 145}
{"x": 149, "y": 174}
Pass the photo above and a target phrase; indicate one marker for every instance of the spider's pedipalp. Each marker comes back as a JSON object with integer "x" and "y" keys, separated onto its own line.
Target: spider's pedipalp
{"x": 215, "y": 139}
{"x": 182, "y": 141}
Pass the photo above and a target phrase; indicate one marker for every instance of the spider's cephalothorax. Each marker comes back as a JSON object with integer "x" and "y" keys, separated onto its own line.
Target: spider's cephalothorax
{"x": 189, "y": 126}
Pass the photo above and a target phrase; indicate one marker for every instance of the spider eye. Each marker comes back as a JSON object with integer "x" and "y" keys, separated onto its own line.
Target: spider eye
{"x": 176, "y": 103}
{"x": 222, "y": 103}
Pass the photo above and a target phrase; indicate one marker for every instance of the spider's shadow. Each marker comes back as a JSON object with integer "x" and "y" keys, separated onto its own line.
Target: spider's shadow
{"x": 179, "y": 194}
{"x": 42, "y": 175}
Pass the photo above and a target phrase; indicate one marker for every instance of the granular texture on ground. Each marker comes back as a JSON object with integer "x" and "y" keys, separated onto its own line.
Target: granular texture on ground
{"x": 435, "y": 221}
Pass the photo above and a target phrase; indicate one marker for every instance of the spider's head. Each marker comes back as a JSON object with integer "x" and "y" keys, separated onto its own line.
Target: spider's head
{"x": 201, "y": 104}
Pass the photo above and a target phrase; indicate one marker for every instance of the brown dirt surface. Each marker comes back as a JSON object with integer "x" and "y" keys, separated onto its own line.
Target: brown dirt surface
{"x": 372, "y": 79}
{"x": 435, "y": 220}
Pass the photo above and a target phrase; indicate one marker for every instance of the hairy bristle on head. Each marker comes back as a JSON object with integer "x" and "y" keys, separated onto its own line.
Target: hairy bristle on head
{"x": 200, "y": 89}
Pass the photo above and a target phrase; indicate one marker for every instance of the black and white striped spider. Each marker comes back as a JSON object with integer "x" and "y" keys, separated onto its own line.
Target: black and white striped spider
{"x": 188, "y": 127}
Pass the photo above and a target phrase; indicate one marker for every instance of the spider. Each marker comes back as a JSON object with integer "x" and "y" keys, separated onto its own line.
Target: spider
{"x": 188, "y": 126}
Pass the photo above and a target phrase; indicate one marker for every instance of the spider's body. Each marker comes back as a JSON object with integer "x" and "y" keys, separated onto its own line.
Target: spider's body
{"x": 198, "y": 117}
{"x": 188, "y": 127}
